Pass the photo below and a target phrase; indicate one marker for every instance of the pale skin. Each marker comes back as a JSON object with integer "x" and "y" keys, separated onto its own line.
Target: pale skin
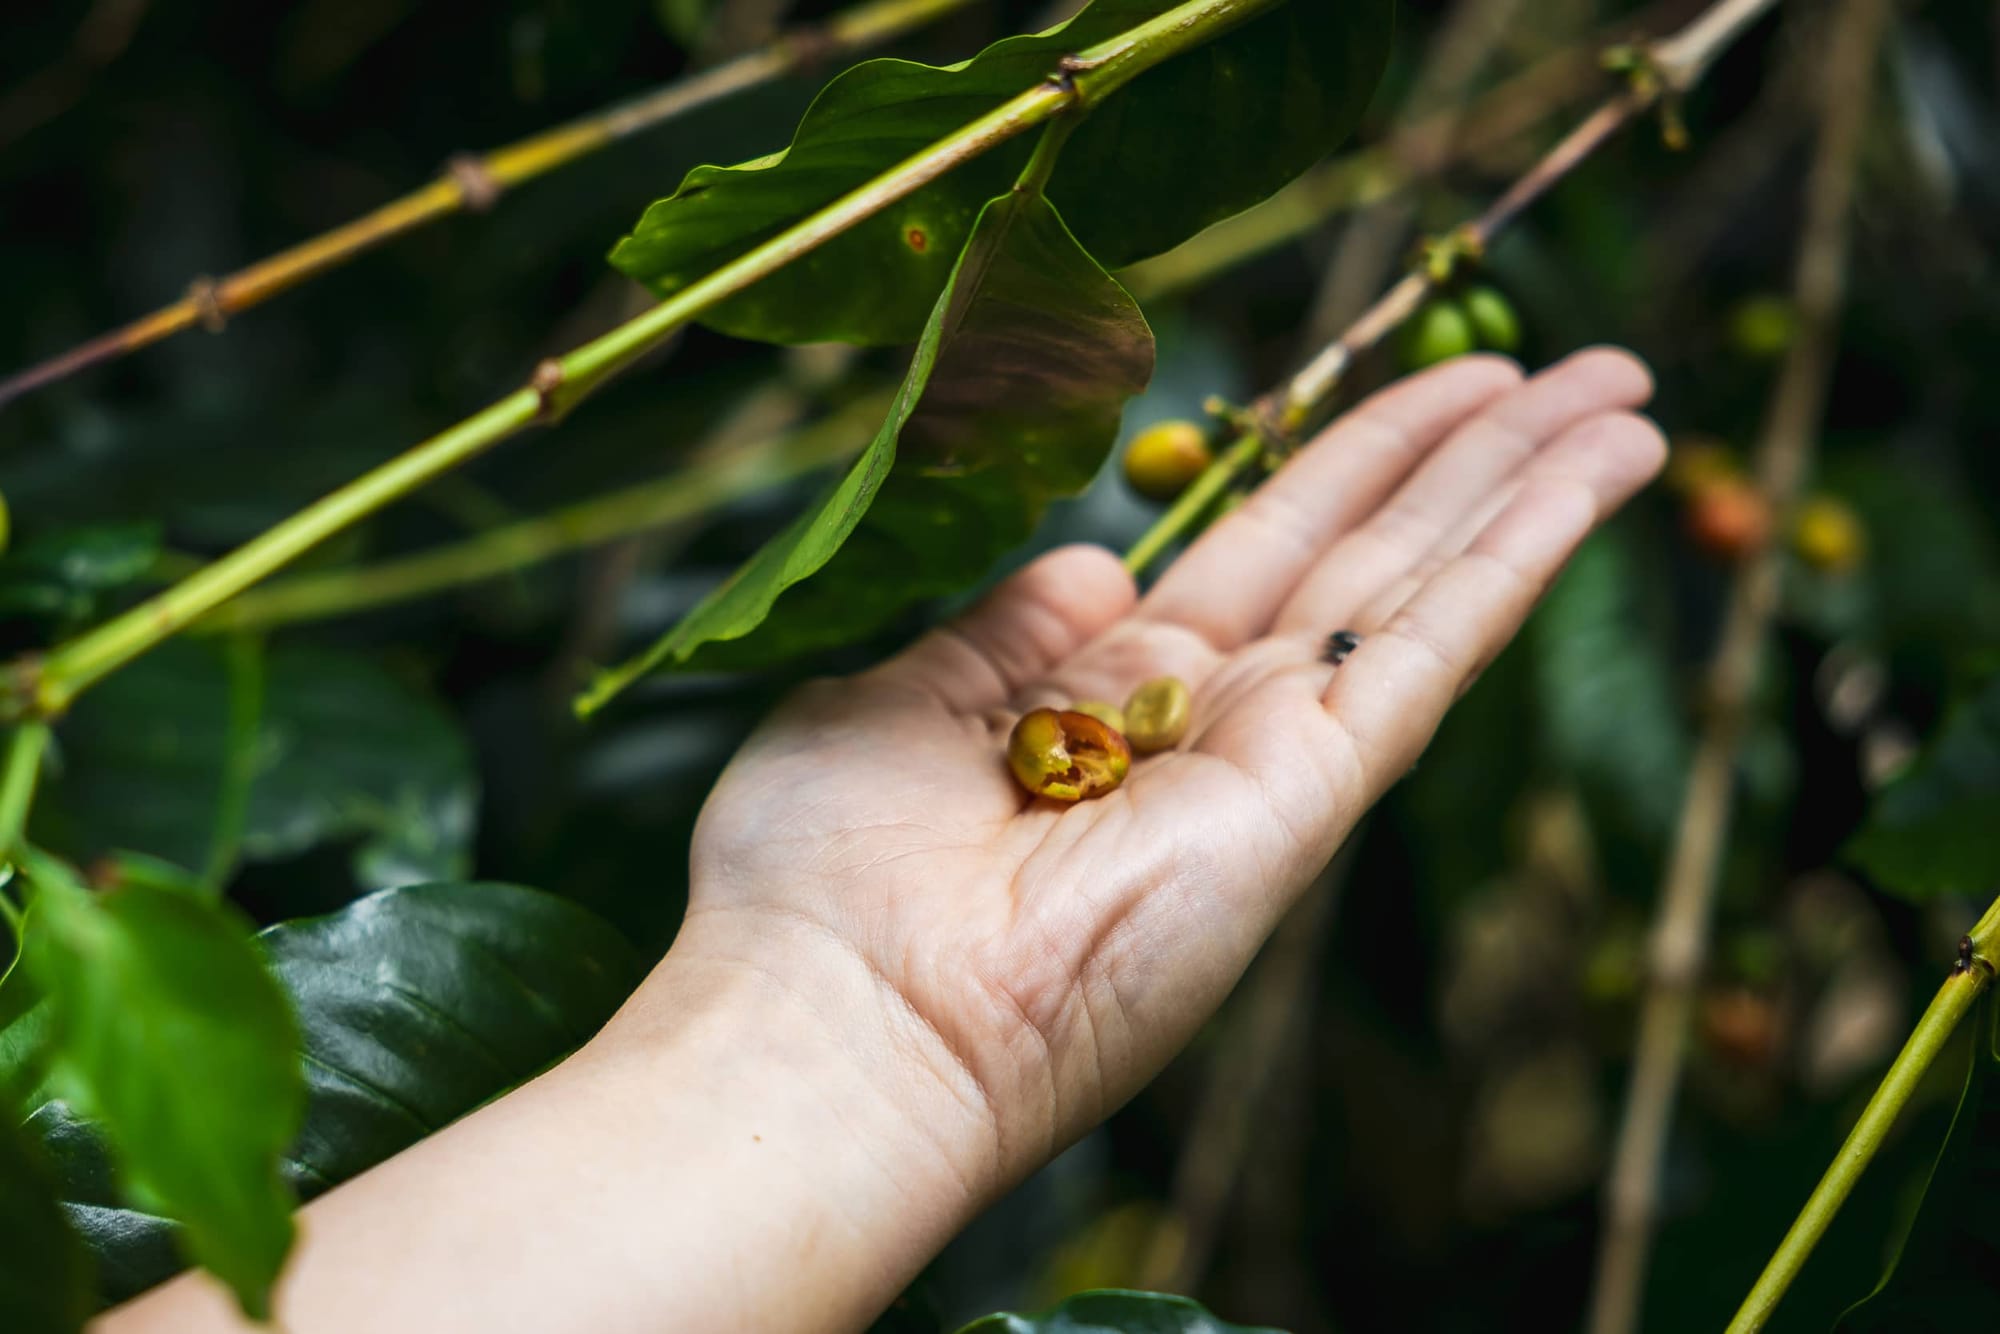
{"x": 903, "y": 984}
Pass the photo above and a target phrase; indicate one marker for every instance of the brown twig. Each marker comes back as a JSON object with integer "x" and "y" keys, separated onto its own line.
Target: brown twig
{"x": 473, "y": 183}
{"x": 1374, "y": 238}
{"x": 1671, "y": 66}
{"x": 1679, "y": 943}
{"x": 1675, "y": 64}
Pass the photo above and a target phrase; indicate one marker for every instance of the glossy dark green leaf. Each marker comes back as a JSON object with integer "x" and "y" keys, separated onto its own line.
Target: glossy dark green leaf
{"x": 63, "y": 576}
{"x": 1947, "y": 1275}
{"x": 342, "y": 750}
{"x": 167, "y": 1029}
{"x": 1186, "y": 144}
{"x": 1115, "y": 1312}
{"x": 415, "y": 1006}
{"x": 44, "y": 1269}
{"x": 1013, "y": 399}
{"x": 1931, "y": 831}
{"x": 1604, "y": 686}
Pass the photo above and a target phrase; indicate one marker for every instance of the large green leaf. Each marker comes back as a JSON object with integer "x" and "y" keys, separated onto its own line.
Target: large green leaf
{"x": 1187, "y": 144}
{"x": 340, "y": 750}
{"x": 167, "y": 1029}
{"x": 1012, "y": 400}
{"x": 1931, "y": 831}
{"x": 415, "y": 1005}
{"x": 44, "y": 1270}
{"x": 1947, "y": 1276}
{"x": 1114, "y": 1312}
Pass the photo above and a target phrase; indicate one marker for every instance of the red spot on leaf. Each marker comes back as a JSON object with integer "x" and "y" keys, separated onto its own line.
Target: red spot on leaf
{"x": 919, "y": 240}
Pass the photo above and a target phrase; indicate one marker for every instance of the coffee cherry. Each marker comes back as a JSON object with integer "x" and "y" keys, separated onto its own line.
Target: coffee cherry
{"x": 1109, "y": 714}
{"x": 1439, "y": 331}
{"x": 1762, "y": 327}
{"x": 1729, "y": 519}
{"x": 1698, "y": 462}
{"x": 1164, "y": 458}
{"x": 1494, "y": 322}
{"x": 1157, "y": 714}
{"x": 1067, "y": 756}
{"x": 1829, "y": 536}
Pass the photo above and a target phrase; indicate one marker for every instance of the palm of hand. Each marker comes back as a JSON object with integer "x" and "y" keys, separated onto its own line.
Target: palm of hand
{"x": 1059, "y": 955}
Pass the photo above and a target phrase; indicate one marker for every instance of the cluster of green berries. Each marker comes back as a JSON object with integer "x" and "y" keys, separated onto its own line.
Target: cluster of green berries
{"x": 1451, "y": 325}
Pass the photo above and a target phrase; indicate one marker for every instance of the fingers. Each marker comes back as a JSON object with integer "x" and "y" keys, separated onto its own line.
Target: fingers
{"x": 1231, "y": 582}
{"x": 1453, "y": 494}
{"x": 1037, "y": 617}
{"x": 1393, "y": 691}
{"x": 1614, "y": 455}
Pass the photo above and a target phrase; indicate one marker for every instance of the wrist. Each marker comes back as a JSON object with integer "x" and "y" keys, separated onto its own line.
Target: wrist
{"x": 813, "y": 1066}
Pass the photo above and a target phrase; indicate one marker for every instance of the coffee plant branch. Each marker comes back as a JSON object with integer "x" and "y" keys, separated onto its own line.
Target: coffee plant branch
{"x": 1660, "y": 74}
{"x": 1679, "y": 945}
{"x": 1511, "y": 109}
{"x": 686, "y": 493}
{"x": 474, "y": 183}
{"x": 1941, "y": 1017}
{"x": 46, "y": 688}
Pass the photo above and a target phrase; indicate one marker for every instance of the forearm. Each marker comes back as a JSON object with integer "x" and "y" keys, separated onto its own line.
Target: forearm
{"x": 737, "y": 1151}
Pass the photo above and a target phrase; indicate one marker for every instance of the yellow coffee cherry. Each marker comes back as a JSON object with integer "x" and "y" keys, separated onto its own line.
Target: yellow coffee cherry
{"x": 1157, "y": 714}
{"x": 1107, "y": 713}
{"x": 1164, "y": 458}
{"x": 1829, "y": 536}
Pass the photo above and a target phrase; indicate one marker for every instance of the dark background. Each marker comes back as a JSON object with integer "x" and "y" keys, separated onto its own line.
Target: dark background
{"x": 1428, "y": 1153}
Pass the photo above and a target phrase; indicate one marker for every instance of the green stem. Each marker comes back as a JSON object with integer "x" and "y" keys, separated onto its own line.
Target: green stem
{"x": 679, "y": 496}
{"x": 244, "y": 663}
{"x": 562, "y": 383}
{"x": 475, "y": 183}
{"x": 1951, "y": 1004}
{"x": 1206, "y": 489}
{"x": 17, "y": 784}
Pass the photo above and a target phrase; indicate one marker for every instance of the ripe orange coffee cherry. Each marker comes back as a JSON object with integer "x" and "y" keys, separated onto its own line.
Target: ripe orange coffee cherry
{"x": 1067, "y": 756}
{"x": 1729, "y": 519}
{"x": 1829, "y": 536}
{"x": 1164, "y": 458}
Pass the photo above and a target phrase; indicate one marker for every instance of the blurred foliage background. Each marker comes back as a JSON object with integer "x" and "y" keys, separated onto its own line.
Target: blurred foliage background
{"x": 1446, "y": 1026}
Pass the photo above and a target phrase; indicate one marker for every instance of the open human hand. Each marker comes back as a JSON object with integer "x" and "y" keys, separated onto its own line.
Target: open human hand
{"x": 1044, "y": 960}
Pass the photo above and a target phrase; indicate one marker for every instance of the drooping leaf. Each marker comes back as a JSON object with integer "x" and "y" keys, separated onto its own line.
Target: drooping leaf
{"x": 342, "y": 750}
{"x": 1186, "y": 144}
{"x": 1012, "y": 399}
{"x": 168, "y": 1030}
{"x": 1604, "y": 687}
{"x": 1112, "y": 1311}
{"x": 44, "y": 1269}
{"x": 1931, "y": 831}
{"x": 1947, "y": 1275}
{"x": 415, "y": 1006}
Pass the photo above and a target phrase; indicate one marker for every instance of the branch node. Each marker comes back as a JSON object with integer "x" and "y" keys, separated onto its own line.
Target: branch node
{"x": 206, "y": 294}
{"x": 477, "y": 189}
{"x": 1440, "y": 258}
{"x": 1066, "y": 71}
{"x": 547, "y": 379}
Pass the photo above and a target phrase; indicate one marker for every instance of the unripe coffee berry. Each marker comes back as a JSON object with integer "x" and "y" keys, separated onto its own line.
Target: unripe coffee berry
{"x": 1494, "y": 322}
{"x": 1439, "y": 331}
